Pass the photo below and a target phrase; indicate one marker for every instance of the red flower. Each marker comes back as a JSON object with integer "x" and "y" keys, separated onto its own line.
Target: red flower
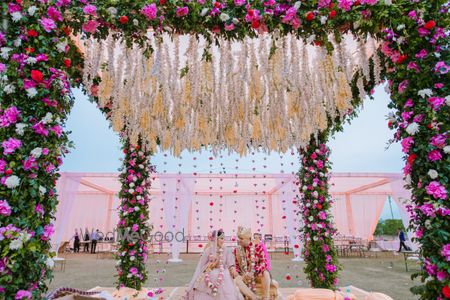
{"x": 29, "y": 49}
{"x": 217, "y": 4}
{"x": 446, "y": 291}
{"x": 296, "y": 246}
{"x": 332, "y": 14}
{"x": 33, "y": 33}
{"x": 37, "y": 75}
{"x": 318, "y": 43}
{"x": 8, "y": 172}
{"x": 402, "y": 58}
{"x": 256, "y": 24}
{"x": 123, "y": 19}
{"x": 162, "y": 2}
{"x": 357, "y": 2}
{"x": 67, "y": 30}
{"x": 67, "y": 62}
{"x": 310, "y": 16}
{"x": 319, "y": 206}
{"x": 411, "y": 158}
{"x": 429, "y": 25}
{"x": 200, "y": 245}
{"x": 288, "y": 277}
{"x": 211, "y": 203}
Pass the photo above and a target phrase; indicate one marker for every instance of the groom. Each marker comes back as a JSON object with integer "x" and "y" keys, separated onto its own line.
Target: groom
{"x": 252, "y": 268}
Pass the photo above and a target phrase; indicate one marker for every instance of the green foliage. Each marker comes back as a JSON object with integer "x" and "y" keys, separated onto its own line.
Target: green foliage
{"x": 389, "y": 227}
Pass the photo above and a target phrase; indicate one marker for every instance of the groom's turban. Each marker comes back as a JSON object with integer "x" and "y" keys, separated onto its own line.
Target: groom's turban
{"x": 244, "y": 233}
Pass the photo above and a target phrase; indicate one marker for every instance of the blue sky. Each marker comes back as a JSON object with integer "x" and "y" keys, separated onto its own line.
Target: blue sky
{"x": 361, "y": 147}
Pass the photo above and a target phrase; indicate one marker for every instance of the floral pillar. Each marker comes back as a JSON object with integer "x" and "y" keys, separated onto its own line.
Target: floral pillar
{"x": 319, "y": 253}
{"x": 34, "y": 102}
{"x": 133, "y": 227}
{"x": 418, "y": 73}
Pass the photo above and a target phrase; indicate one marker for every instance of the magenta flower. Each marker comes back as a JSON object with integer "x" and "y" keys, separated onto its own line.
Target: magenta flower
{"x": 345, "y": 5}
{"x": 441, "y": 275}
{"x": 39, "y": 209}
{"x": 436, "y": 190}
{"x": 9, "y": 117}
{"x": 2, "y": 165}
{"x": 323, "y": 3}
{"x": 439, "y": 141}
{"x": 22, "y": 294}
{"x": 445, "y": 252}
{"x": 57, "y": 129}
{"x": 182, "y": 11}
{"x": 422, "y": 54}
{"x": 90, "y": 26}
{"x": 402, "y": 86}
{"x": 229, "y": 27}
{"x": 428, "y": 209}
{"x": 30, "y": 163}
{"x": 149, "y": 11}
{"x": 322, "y": 215}
{"x": 39, "y": 128}
{"x": 436, "y": 102}
{"x": 90, "y": 10}
{"x": 11, "y": 145}
{"x": 369, "y": 2}
{"x": 135, "y": 227}
{"x": 54, "y": 14}
{"x": 2, "y": 67}
{"x": 434, "y": 155}
{"x": 5, "y": 209}
{"x": 133, "y": 270}
{"x": 13, "y": 8}
{"x": 239, "y": 2}
{"x": 406, "y": 144}
{"x": 330, "y": 268}
{"x": 441, "y": 67}
{"x": 48, "y": 231}
{"x": 48, "y": 24}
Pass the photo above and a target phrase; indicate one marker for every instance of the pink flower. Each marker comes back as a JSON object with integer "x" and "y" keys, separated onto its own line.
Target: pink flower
{"x": 182, "y": 11}
{"x": 5, "y": 209}
{"x": 90, "y": 26}
{"x": 422, "y": 54}
{"x": 90, "y": 10}
{"x": 445, "y": 252}
{"x": 54, "y": 14}
{"x": 39, "y": 128}
{"x": 57, "y": 129}
{"x": 436, "y": 190}
{"x": 11, "y": 145}
{"x": 149, "y": 11}
{"x": 48, "y": 24}
{"x": 370, "y": 2}
{"x": 2, "y": 68}
{"x": 441, "y": 275}
{"x": 434, "y": 155}
{"x": 323, "y": 3}
{"x": 30, "y": 163}
{"x": 402, "y": 86}
{"x": 2, "y": 165}
{"x": 441, "y": 67}
{"x": 133, "y": 270}
{"x": 13, "y": 7}
{"x": 438, "y": 141}
{"x": 9, "y": 117}
{"x": 406, "y": 144}
{"x": 239, "y": 2}
{"x": 135, "y": 227}
{"x": 345, "y": 5}
{"x": 48, "y": 231}
{"x": 322, "y": 215}
{"x": 428, "y": 209}
{"x": 39, "y": 209}
{"x": 22, "y": 294}
{"x": 330, "y": 268}
{"x": 436, "y": 102}
{"x": 229, "y": 27}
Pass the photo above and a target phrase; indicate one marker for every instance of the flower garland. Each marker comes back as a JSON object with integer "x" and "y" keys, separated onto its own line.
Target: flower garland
{"x": 134, "y": 216}
{"x": 248, "y": 264}
{"x": 319, "y": 252}
{"x": 214, "y": 286}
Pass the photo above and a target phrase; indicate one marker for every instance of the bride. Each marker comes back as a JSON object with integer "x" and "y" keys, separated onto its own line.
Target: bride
{"x": 212, "y": 278}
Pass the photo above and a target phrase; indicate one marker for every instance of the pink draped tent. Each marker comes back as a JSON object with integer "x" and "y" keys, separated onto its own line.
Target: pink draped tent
{"x": 196, "y": 203}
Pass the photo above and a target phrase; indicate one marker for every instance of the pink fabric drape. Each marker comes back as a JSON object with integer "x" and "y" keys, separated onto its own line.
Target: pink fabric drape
{"x": 366, "y": 213}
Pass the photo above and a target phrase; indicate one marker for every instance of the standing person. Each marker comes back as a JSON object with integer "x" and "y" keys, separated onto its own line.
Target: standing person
{"x": 401, "y": 237}
{"x": 94, "y": 238}
{"x": 76, "y": 242}
{"x": 86, "y": 239}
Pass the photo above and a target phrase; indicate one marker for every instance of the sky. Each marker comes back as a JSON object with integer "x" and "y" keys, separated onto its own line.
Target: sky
{"x": 361, "y": 147}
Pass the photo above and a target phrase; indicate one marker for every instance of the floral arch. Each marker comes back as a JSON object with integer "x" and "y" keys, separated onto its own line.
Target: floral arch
{"x": 40, "y": 61}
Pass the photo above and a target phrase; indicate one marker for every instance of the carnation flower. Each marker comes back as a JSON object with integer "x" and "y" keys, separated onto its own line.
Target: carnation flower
{"x": 149, "y": 11}
{"x": 436, "y": 190}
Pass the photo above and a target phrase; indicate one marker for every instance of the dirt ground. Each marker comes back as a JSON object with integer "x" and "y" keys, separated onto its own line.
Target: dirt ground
{"x": 384, "y": 274}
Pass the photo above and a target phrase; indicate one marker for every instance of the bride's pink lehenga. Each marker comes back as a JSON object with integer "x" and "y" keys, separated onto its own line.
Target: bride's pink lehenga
{"x": 198, "y": 289}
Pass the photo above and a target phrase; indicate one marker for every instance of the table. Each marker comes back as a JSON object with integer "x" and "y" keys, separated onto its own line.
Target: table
{"x": 407, "y": 255}
{"x": 62, "y": 261}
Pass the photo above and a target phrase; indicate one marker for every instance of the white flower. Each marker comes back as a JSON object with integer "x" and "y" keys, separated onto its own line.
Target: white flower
{"x": 433, "y": 174}
{"x": 10, "y": 88}
{"x": 323, "y": 19}
{"x": 16, "y": 16}
{"x": 15, "y": 244}
{"x": 428, "y": 224}
{"x": 304, "y": 188}
{"x": 48, "y": 118}
{"x": 50, "y": 262}
{"x": 31, "y": 60}
{"x": 132, "y": 184}
{"x": 112, "y": 11}
{"x": 408, "y": 179}
{"x": 135, "y": 22}
{"x": 132, "y": 258}
{"x": 136, "y": 208}
{"x": 129, "y": 275}
{"x": 447, "y": 149}
{"x": 31, "y": 92}
{"x": 235, "y": 21}
{"x": 4, "y": 52}
{"x": 131, "y": 191}
{"x": 400, "y": 27}
{"x": 388, "y": 2}
{"x": 315, "y": 238}
{"x": 308, "y": 204}
{"x": 315, "y": 194}
{"x": 310, "y": 218}
{"x": 135, "y": 178}
{"x": 425, "y": 92}
{"x": 24, "y": 236}
{"x": 36, "y": 152}
{"x": 17, "y": 42}
{"x": 32, "y": 10}
{"x": 204, "y": 12}
{"x": 20, "y": 128}
{"x": 311, "y": 39}
{"x": 391, "y": 117}
{"x": 319, "y": 225}
{"x": 447, "y": 100}
{"x": 412, "y": 128}
{"x": 224, "y": 17}
{"x": 297, "y": 5}
{"x": 12, "y": 181}
{"x": 139, "y": 197}
{"x": 437, "y": 54}
{"x": 141, "y": 166}
{"x": 42, "y": 190}
{"x": 61, "y": 46}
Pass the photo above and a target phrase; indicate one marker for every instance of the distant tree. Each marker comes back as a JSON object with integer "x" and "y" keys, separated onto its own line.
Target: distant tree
{"x": 389, "y": 227}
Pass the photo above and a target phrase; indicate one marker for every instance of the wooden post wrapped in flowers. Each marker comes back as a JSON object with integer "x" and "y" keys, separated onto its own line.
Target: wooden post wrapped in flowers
{"x": 319, "y": 252}
{"x": 133, "y": 224}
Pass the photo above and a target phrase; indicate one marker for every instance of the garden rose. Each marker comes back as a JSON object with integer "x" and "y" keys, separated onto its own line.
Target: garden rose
{"x": 436, "y": 190}
{"x": 149, "y": 11}
{"x": 436, "y": 102}
{"x": 11, "y": 145}
{"x": 90, "y": 26}
{"x": 48, "y": 24}
{"x": 22, "y": 294}
{"x": 90, "y": 10}
{"x": 5, "y": 209}
{"x": 434, "y": 155}
{"x": 182, "y": 11}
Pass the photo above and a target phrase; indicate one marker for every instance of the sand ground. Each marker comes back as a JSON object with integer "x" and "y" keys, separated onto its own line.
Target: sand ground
{"x": 384, "y": 274}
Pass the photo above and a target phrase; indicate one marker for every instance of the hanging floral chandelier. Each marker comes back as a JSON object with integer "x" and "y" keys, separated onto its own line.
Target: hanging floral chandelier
{"x": 267, "y": 93}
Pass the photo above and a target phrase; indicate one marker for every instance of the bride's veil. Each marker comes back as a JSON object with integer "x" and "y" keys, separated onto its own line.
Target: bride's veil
{"x": 211, "y": 248}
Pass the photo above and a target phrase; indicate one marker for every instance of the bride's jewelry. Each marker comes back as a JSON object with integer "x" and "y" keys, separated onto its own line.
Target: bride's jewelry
{"x": 214, "y": 286}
